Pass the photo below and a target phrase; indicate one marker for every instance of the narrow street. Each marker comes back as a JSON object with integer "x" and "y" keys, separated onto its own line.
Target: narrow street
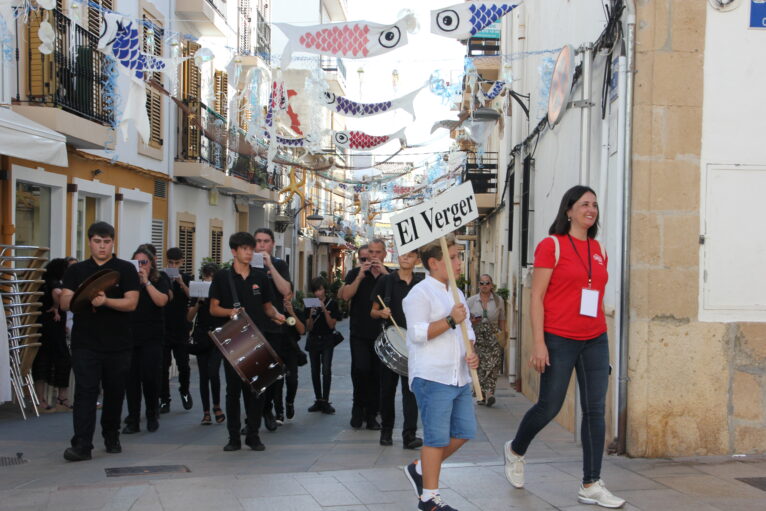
{"x": 318, "y": 462}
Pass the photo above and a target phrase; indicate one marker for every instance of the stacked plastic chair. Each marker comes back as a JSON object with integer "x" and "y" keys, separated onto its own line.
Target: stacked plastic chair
{"x": 21, "y": 269}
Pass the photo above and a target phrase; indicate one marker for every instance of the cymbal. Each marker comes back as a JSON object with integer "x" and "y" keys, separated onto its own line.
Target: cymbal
{"x": 99, "y": 281}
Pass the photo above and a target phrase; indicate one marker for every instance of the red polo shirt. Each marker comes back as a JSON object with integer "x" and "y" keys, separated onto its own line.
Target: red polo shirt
{"x": 562, "y": 298}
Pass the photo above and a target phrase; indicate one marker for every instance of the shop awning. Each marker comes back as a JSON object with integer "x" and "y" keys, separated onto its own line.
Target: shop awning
{"x": 22, "y": 138}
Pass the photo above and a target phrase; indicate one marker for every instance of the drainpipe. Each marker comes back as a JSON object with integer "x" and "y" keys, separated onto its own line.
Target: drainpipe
{"x": 585, "y": 106}
{"x": 622, "y": 390}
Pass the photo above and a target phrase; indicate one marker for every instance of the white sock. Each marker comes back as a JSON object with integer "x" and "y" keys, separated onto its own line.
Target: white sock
{"x": 418, "y": 468}
{"x": 429, "y": 494}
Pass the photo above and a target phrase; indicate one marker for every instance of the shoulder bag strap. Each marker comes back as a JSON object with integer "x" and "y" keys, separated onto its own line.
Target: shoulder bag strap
{"x": 557, "y": 249}
{"x": 389, "y": 288}
{"x": 234, "y": 298}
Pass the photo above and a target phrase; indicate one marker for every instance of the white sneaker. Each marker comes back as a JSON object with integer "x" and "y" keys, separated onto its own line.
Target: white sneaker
{"x": 599, "y": 495}
{"x": 514, "y": 467}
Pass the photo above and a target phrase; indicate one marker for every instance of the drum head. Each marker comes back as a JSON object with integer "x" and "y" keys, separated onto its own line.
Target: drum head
{"x": 397, "y": 341}
{"x": 99, "y": 281}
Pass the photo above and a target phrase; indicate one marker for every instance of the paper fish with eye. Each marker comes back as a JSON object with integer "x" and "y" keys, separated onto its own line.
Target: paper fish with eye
{"x": 362, "y": 141}
{"x": 353, "y": 40}
{"x": 463, "y": 21}
{"x": 345, "y": 106}
{"x": 121, "y": 37}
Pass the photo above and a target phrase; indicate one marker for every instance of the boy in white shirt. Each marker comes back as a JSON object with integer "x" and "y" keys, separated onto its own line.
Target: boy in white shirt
{"x": 438, "y": 371}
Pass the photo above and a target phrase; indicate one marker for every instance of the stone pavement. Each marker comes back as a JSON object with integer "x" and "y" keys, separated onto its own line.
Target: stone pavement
{"x": 317, "y": 462}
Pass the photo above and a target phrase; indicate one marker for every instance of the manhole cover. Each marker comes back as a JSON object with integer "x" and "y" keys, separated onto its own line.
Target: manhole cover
{"x": 7, "y": 461}
{"x": 757, "y": 482}
{"x": 140, "y": 471}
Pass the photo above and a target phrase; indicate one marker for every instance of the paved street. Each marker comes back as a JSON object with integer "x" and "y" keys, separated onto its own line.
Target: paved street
{"x": 317, "y": 462}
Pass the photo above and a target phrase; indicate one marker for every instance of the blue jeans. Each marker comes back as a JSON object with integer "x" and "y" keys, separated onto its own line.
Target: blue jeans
{"x": 591, "y": 361}
{"x": 445, "y": 410}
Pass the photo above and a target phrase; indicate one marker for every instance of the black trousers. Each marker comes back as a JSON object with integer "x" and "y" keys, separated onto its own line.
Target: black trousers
{"x": 209, "y": 365}
{"x": 236, "y": 388}
{"x": 289, "y": 382}
{"x": 321, "y": 371}
{"x": 144, "y": 376}
{"x": 175, "y": 346}
{"x": 365, "y": 377}
{"x": 272, "y": 397}
{"x": 388, "y": 382}
{"x": 93, "y": 371}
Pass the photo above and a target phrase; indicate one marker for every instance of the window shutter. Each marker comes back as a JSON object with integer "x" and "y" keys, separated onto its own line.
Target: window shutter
{"x": 42, "y": 80}
{"x": 152, "y": 35}
{"x": 158, "y": 240}
{"x": 95, "y": 15}
{"x": 186, "y": 244}
{"x": 191, "y": 73}
{"x": 216, "y": 241}
{"x": 221, "y": 88}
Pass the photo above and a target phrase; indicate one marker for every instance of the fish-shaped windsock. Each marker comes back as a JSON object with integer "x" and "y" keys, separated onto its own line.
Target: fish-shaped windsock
{"x": 463, "y": 21}
{"x": 345, "y": 106}
{"x": 353, "y": 40}
{"x": 363, "y": 141}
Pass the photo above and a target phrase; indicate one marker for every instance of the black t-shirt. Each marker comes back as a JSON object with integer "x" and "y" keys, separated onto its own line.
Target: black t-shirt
{"x": 320, "y": 322}
{"x": 175, "y": 310}
{"x": 252, "y": 293}
{"x": 205, "y": 320}
{"x": 148, "y": 320}
{"x": 399, "y": 289}
{"x": 278, "y": 301}
{"x": 105, "y": 329}
{"x": 362, "y": 324}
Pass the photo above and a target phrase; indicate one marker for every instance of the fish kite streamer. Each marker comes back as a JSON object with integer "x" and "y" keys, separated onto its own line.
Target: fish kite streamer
{"x": 363, "y": 141}
{"x": 463, "y": 21}
{"x": 345, "y": 106}
{"x": 353, "y": 40}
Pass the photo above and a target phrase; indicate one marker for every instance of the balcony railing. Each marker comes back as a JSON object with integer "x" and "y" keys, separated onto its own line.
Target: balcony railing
{"x": 73, "y": 76}
{"x": 263, "y": 37}
{"x": 480, "y": 47}
{"x": 481, "y": 171}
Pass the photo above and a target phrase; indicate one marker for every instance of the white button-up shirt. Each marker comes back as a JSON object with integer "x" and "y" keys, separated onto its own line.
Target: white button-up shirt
{"x": 441, "y": 359}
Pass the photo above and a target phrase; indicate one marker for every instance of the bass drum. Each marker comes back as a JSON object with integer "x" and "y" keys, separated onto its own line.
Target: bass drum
{"x": 248, "y": 352}
{"x": 392, "y": 349}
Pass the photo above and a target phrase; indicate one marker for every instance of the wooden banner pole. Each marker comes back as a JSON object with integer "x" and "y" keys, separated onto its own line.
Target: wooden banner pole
{"x": 392, "y": 319}
{"x": 463, "y": 325}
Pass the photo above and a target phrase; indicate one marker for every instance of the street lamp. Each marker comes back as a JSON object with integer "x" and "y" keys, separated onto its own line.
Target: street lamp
{"x": 315, "y": 220}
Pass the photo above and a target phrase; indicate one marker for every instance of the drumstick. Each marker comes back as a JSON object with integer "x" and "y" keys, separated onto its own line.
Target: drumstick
{"x": 392, "y": 318}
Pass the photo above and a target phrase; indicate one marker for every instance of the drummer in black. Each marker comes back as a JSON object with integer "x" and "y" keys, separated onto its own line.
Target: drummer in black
{"x": 101, "y": 344}
{"x": 393, "y": 288}
{"x": 253, "y": 293}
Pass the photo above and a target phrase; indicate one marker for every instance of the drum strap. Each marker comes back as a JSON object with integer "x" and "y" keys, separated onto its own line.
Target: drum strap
{"x": 234, "y": 297}
{"x": 389, "y": 288}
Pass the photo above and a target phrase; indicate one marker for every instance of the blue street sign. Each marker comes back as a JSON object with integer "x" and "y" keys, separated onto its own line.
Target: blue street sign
{"x": 757, "y": 13}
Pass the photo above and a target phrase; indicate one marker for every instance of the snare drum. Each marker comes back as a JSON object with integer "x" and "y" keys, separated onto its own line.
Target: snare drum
{"x": 248, "y": 352}
{"x": 392, "y": 349}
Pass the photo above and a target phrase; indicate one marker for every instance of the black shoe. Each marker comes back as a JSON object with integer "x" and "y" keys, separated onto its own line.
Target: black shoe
{"x": 255, "y": 443}
{"x": 165, "y": 406}
{"x": 243, "y": 431}
{"x": 152, "y": 424}
{"x": 290, "y": 410}
{"x": 356, "y": 422}
{"x": 435, "y": 503}
{"x": 373, "y": 424}
{"x": 73, "y": 454}
{"x": 269, "y": 421}
{"x": 415, "y": 479}
{"x": 490, "y": 401}
{"x": 411, "y": 442}
{"x": 130, "y": 428}
{"x": 113, "y": 446}
{"x": 280, "y": 418}
{"x": 328, "y": 408}
{"x": 318, "y": 406}
{"x": 385, "y": 437}
{"x": 233, "y": 445}
{"x": 186, "y": 401}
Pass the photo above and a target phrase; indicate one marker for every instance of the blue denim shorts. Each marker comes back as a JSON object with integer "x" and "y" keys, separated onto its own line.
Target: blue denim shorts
{"x": 446, "y": 411}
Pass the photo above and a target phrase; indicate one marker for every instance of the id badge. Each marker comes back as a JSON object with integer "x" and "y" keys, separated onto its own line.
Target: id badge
{"x": 589, "y": 303}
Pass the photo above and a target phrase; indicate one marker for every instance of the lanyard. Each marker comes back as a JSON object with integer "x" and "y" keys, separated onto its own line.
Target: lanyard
{"x": 589, "y": 268}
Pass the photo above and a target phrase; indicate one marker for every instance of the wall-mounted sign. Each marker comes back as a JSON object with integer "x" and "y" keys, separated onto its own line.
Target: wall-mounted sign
{"x": 561, "y": 84}
{"x": 757, "y": 13}
{"x": 491, "y": 32}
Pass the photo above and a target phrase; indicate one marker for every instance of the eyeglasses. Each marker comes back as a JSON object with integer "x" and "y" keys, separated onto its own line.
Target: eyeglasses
{"x": 483, "y": 283}
{"x": 363, "y": 259}
{"x": 143, "y": 262}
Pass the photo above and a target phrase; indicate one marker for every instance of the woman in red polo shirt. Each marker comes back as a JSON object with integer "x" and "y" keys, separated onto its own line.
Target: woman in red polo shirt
{"x": 569, "y": 333}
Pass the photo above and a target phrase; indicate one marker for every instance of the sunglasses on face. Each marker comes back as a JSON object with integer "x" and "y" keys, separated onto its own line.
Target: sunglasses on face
{"x": 143, "y": 262}
{"x": 482, "y": 283}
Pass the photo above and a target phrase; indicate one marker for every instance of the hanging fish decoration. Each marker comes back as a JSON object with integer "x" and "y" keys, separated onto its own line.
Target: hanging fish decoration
{"x": 355, "y": 39}
{"x": 494, "y": 91}
{"x": 121, "y": 37}
{"x": 362, "y": 141}
{"x": 345, "y": 106}
{"x": 463, "y": 21}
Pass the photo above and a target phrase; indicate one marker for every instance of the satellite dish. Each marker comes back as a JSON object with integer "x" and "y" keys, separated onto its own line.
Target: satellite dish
{"x": 726, "y": 5}
{"x": 561, "y": 84}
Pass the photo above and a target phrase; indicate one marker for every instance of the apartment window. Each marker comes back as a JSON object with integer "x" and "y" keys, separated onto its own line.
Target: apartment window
{"x": 526, "y": 208}
{"x": 186, "y": 244}
{"x": 33, "y": 214}
{"x": 152, "y": 45}
{"x": 221, "y": 94}
{"x": 191, "y": 93}
{"x": 216, "y": 243}
{"x": 95, "y": 8}
{"x": 158, "y": 240}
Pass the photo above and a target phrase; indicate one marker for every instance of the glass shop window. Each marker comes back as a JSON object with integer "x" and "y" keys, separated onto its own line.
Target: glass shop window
{"x": 33, "y": 214}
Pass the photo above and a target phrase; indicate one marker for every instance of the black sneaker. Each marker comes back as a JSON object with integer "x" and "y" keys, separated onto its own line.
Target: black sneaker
{"x": 318, "y": 406}
{"x": 186, "y": 401}
{"x": 328, "y": 408}
{"x": 165, "y": 406}
{"x": 356, "y": 422}
{"x": 435, "y": 503}
{"x": 113, "y": 446}
{"x": 269, "y": 421}
{"x": 73, "y": 454}
{"x": 130, "y": 428}
{"x": 385, "y": 437}
{"x": 373, "y": 424}
{"x": 290, "y": 410}
{"x": 415, "y": 479}
{"x": 280, "y": 418}
{"x": 412, "y": 442}
{"x": 255, "y": 443}
{"x": 233, "y": 445}
{"x": 152, "y": 424}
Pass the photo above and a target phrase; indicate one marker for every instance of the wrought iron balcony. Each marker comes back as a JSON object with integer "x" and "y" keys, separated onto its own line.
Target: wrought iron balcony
{"x": 481, "y": 171}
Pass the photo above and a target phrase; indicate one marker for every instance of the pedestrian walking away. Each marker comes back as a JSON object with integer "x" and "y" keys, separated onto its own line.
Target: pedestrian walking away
{"x": 101, "y": 343}
{"x": 488, "y": 320}
{"x": 438, "y": 368}
{"x": 569, "y": 333}
{"x": 393, "y": 288}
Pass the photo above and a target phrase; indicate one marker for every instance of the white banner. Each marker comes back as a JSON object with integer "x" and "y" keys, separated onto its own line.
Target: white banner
{"x": 431, "y": 220}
